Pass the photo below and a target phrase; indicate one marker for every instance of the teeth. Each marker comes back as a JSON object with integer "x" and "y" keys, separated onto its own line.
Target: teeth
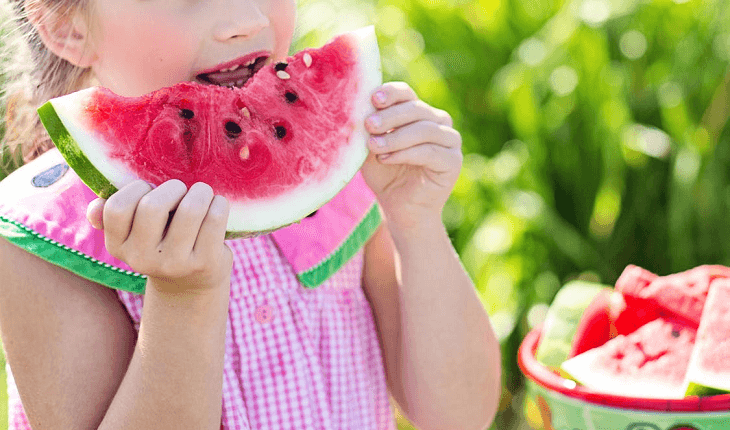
{"x": 250, "y": 63}
{"x": 230, "y": 69}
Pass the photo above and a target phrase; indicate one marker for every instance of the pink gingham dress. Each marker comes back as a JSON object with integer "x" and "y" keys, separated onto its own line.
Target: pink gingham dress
{"x": 302, "y": 351}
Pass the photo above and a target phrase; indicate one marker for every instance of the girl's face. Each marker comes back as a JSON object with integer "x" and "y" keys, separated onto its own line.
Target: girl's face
{"x": 144, "y": 45}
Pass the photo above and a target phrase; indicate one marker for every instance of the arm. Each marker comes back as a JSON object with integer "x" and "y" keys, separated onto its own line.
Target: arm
{"x": 442, "y": 357}
{"x": 67, "y": 339}
{"x": 70, "y": 342}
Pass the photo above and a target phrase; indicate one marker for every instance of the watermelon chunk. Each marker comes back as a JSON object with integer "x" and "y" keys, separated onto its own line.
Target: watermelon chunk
{"x": 277, "y": 148}
{"x": 651, "y": 362}
{"x": 709, "y": 366}
{"x": 610, "y": 315}
{"x": 683, "y": 294}
{"x": 563, "y": 316}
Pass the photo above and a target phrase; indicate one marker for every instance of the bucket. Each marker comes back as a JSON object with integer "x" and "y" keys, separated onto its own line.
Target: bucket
{"x": 555, "y": 403}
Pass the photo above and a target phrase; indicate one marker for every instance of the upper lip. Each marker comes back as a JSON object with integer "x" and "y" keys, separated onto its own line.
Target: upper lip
{"x": 238, "y": 62}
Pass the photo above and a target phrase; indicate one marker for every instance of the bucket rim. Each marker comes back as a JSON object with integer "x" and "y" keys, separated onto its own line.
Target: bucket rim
{"x": 549, "y": 380}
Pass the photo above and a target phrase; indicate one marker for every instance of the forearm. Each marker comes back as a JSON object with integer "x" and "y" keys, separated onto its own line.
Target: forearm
{"x": 449, "y": 355}
{"x": 174, "y": 380}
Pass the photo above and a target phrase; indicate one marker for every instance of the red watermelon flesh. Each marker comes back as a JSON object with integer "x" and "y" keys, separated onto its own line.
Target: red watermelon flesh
{"x": 683, "y": 294}
{"x": 277, "y": 148}
{"x": 195, "y": 132}
{"x": 651, "y": 362}
{"x": 608, "y": 316}
{"x": 634, "y": 277}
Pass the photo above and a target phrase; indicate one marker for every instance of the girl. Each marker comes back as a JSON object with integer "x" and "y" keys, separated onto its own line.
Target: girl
{"x": 225, "y": 335}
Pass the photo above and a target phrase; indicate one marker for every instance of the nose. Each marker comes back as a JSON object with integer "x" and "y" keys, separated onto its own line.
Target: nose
{"x": 244, "y": 19}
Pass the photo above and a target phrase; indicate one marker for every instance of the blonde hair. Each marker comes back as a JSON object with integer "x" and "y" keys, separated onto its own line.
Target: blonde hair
{"x": 30, "y": 75}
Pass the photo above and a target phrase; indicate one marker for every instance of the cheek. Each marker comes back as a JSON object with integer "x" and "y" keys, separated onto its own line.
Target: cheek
{"x": 138, "y": 54}
{"x": 283, "y": 18}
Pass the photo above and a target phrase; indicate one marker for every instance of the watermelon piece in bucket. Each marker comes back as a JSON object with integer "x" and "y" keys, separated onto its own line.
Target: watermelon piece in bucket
{"x": 683, "y": 294}
{"x": 709, "y": 366}
{"x": 649, "y": 363}
{"x": 610, "y": 314}
{"x": 277, "y": 148}
{"x": 562, "y": 319}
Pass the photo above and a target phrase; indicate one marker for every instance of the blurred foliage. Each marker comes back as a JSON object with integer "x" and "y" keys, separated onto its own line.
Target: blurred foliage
{"x": 594, "y": 137}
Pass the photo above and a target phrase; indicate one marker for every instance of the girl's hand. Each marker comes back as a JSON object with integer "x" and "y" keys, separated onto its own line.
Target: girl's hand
{"x": 173, "y": 235}
{"x": 415, "y": 157}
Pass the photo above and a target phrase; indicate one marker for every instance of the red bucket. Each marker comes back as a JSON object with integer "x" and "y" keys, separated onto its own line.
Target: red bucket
{"x": 556, "y": 403}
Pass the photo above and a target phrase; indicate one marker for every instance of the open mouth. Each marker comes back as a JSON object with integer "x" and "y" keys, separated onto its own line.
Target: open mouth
{"x": 234, "y": 76}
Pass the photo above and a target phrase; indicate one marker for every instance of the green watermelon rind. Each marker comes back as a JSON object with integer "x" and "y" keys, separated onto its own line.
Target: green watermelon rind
{"x": 72, "y": 153}
{"x": 700, "y": 390}
{"x": 562, "y": 320}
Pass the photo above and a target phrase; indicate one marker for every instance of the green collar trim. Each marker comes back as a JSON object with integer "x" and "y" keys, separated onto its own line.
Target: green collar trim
{"x": 113, "y": 277}
{"x": 71, "y": 259}
{"x": 315, "y": 276}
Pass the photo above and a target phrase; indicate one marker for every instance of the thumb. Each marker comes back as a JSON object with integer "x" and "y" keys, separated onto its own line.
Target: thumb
{"x": 95, "y": 213}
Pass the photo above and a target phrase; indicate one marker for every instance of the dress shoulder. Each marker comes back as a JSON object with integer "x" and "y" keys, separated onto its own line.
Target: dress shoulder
{"x": 43, "y": 210}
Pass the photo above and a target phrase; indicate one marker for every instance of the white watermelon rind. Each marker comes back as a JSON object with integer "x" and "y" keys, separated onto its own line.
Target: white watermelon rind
{"x": 104, "y": 176}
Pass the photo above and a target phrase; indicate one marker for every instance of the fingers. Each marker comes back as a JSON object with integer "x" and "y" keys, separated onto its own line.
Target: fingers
{"x": 415, "y": 134}
{"x": 95, "y": 213}
{"x": 393, "y": 93}
{"x": 213, "y": 227}
{"x": 188, "y": 217}
{"x": 153, "y": 213}
{"x": 405, "y": 113}
{"x": 432, "y": 157}
{"x": 119, "y": 212}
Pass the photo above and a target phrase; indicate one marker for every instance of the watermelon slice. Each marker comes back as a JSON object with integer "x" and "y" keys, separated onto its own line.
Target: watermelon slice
{"x": 610, "y": 315}
{"x": 648, "y": 363}
{"x": 561, "y": 320}
{"x": 709, "y": 366}
{"x": 278, "y": 148}
{"x": 683, "y": 294}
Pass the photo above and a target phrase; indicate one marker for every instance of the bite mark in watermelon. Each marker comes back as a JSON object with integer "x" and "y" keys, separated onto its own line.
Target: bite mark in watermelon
{"x": 651, "y": 362}
{"x": 709, "y": 367}
{"x": 278, "y": 148}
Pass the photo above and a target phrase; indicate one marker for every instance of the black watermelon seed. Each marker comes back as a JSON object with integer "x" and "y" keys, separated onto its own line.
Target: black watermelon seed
{"x": 187, "y": 114}
{"x": 280, "y": 132}
{"x": 312, "y": 214}
{"x": 233, "y": 129}
{"x": 280, "y": 66}
{"x": 675, "y": 333}
{"x": 291, "y": 97}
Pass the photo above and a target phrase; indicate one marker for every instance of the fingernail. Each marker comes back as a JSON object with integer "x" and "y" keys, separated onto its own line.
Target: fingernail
{"x": 380, "y": 97}
{"x": 375, "y": 121}
{"x": 377, "y": 141}
{"x": 383, "y": 156}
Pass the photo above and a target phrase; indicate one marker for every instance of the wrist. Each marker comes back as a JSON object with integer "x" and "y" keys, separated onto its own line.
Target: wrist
{"x": 179, "y": 292}
{"x": 421, "y": 232}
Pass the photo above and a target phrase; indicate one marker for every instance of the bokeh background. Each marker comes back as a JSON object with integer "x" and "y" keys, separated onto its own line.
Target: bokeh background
{"x": 594, "y": 136}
